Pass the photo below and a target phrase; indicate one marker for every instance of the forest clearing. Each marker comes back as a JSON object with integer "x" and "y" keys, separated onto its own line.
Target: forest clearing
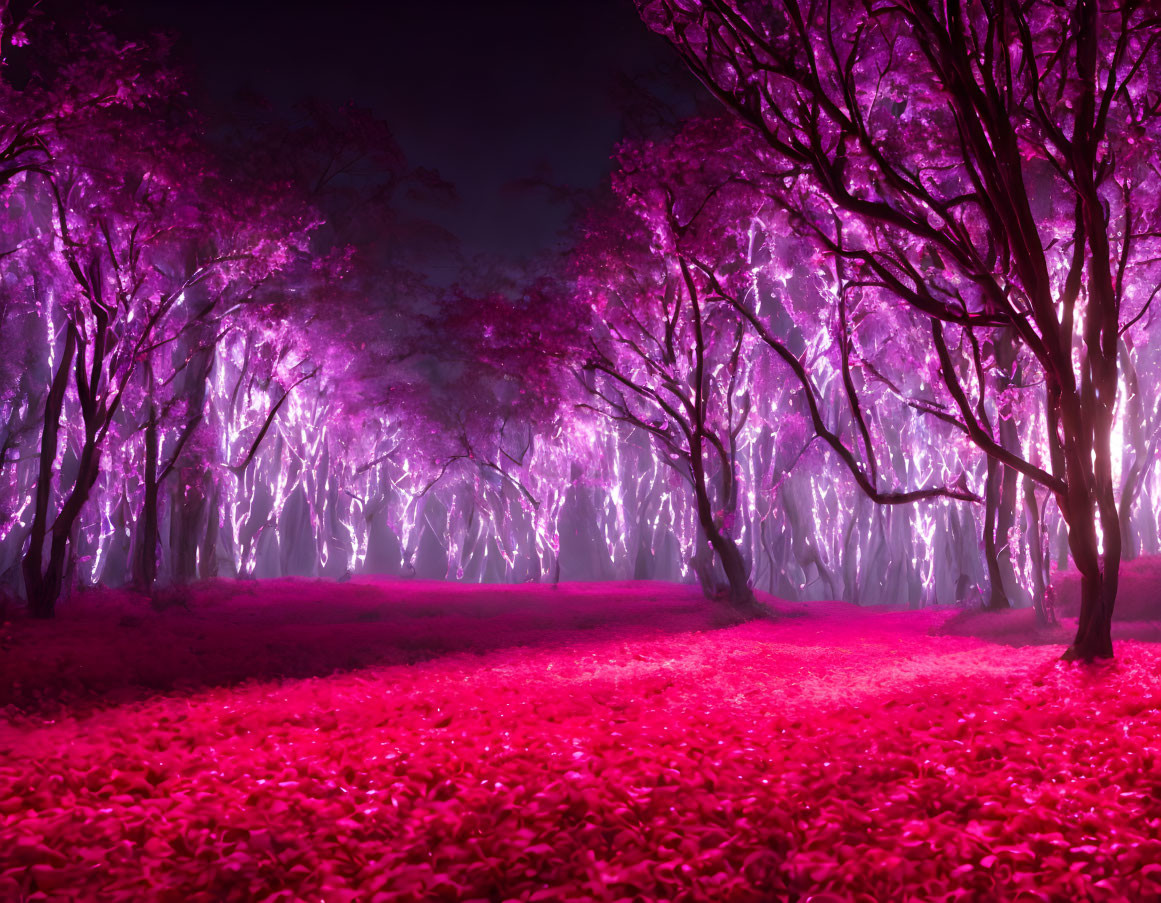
{"x": 581, "y": 742}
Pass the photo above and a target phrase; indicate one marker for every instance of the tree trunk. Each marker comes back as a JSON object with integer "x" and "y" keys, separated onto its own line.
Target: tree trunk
{"x": 1136, "y": 420}
{"x": 997, "y": 598}
{"x": 1094, "y": 638}
{"x": 1006, "y": 521}
{"x": 738, "y": 592}
{"x": 187, "y": 505}
{"x": 1090, "y": 500}
{"x": 43, "y": 587}
{"x": 148, "y": 535}
{"x": 1088, "y": 425}
{"x": 208, "y": 559}
{"x": 1036, "y": 553}
{"x": 741, "y": 596}
{"x": 1002, "y": 490}
{"x": 805, "y": 549}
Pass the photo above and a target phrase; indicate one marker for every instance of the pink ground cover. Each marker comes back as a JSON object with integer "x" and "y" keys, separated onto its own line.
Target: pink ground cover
{"x": 612, "y": 743}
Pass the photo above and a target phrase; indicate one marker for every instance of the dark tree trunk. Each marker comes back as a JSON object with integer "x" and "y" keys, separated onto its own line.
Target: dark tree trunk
{"x": 188, "y": 502}
{"x": 1088, "y": 425}
{"x": 208, "y": 560}
{"x": 737, "y": 572}
{"x": 741, "y": 596}
{"x": 739, "y": 593}
{"x": 148, "y": 534}
{"x": 1094, "y": 640}
{"x": 183, "y": 533}
{"x": 44, "y": 583}
{"x": 43, "y": 586}
{"x": 997, "y": 598}
{"x": 1090, "y": 502}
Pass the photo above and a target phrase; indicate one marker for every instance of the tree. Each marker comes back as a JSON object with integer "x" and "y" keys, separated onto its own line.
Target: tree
{"x": 62, "y": 100}
{"x": 989, "y": 167}
{"x": 675, "y": 271}
{"x": 665, "y": 361}
{"x": 139, "y": 240}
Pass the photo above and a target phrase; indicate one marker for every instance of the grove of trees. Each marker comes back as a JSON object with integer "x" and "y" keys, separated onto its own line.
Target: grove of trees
{"x": 880, "y": 330}
{"x": 986, "y": 168}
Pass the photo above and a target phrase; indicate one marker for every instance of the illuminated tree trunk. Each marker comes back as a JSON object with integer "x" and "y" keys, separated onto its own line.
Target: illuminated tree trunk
{"x": 1085, "y": 420}
{"x": 1039, "y": 554}
{"x": 185, "y": 516}
{"x": 1140, "y": 426}
{"x": 1098, "y": 586}
{"x": 858, "y": 529}
{"x": 1000, "y": 486}
{"x": 803, "y": 543}
{"x": 999, "y": 518}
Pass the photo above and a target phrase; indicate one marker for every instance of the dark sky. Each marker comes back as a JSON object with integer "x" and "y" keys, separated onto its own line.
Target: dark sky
{"x": 486, "y": 91}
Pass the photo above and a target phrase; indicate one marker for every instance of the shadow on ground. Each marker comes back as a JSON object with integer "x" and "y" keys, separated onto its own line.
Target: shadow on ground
{"x": 222, "y": 633}
{"x": 1019, "y": 627}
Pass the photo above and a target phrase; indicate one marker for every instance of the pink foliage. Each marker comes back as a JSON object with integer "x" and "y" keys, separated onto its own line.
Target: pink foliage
{"x": 836, "y": 753}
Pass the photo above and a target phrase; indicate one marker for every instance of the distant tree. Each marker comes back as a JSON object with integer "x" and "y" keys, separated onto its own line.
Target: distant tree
{"x": 351, "y": 315}
{"x": 1140, "y": 357}
{"x": 989, "y": 166}
{"x": 668, "y": 362}
{"x": 497, "y": 385}
{"x": 247, "y": 235}
{"x": 664, "y": 269}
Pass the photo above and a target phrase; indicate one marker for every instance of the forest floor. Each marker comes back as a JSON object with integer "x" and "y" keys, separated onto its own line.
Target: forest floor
{"x": 403, "y": 741}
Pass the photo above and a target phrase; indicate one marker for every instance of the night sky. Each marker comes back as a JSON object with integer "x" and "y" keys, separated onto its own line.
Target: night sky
{"x": 489, "y": 93}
